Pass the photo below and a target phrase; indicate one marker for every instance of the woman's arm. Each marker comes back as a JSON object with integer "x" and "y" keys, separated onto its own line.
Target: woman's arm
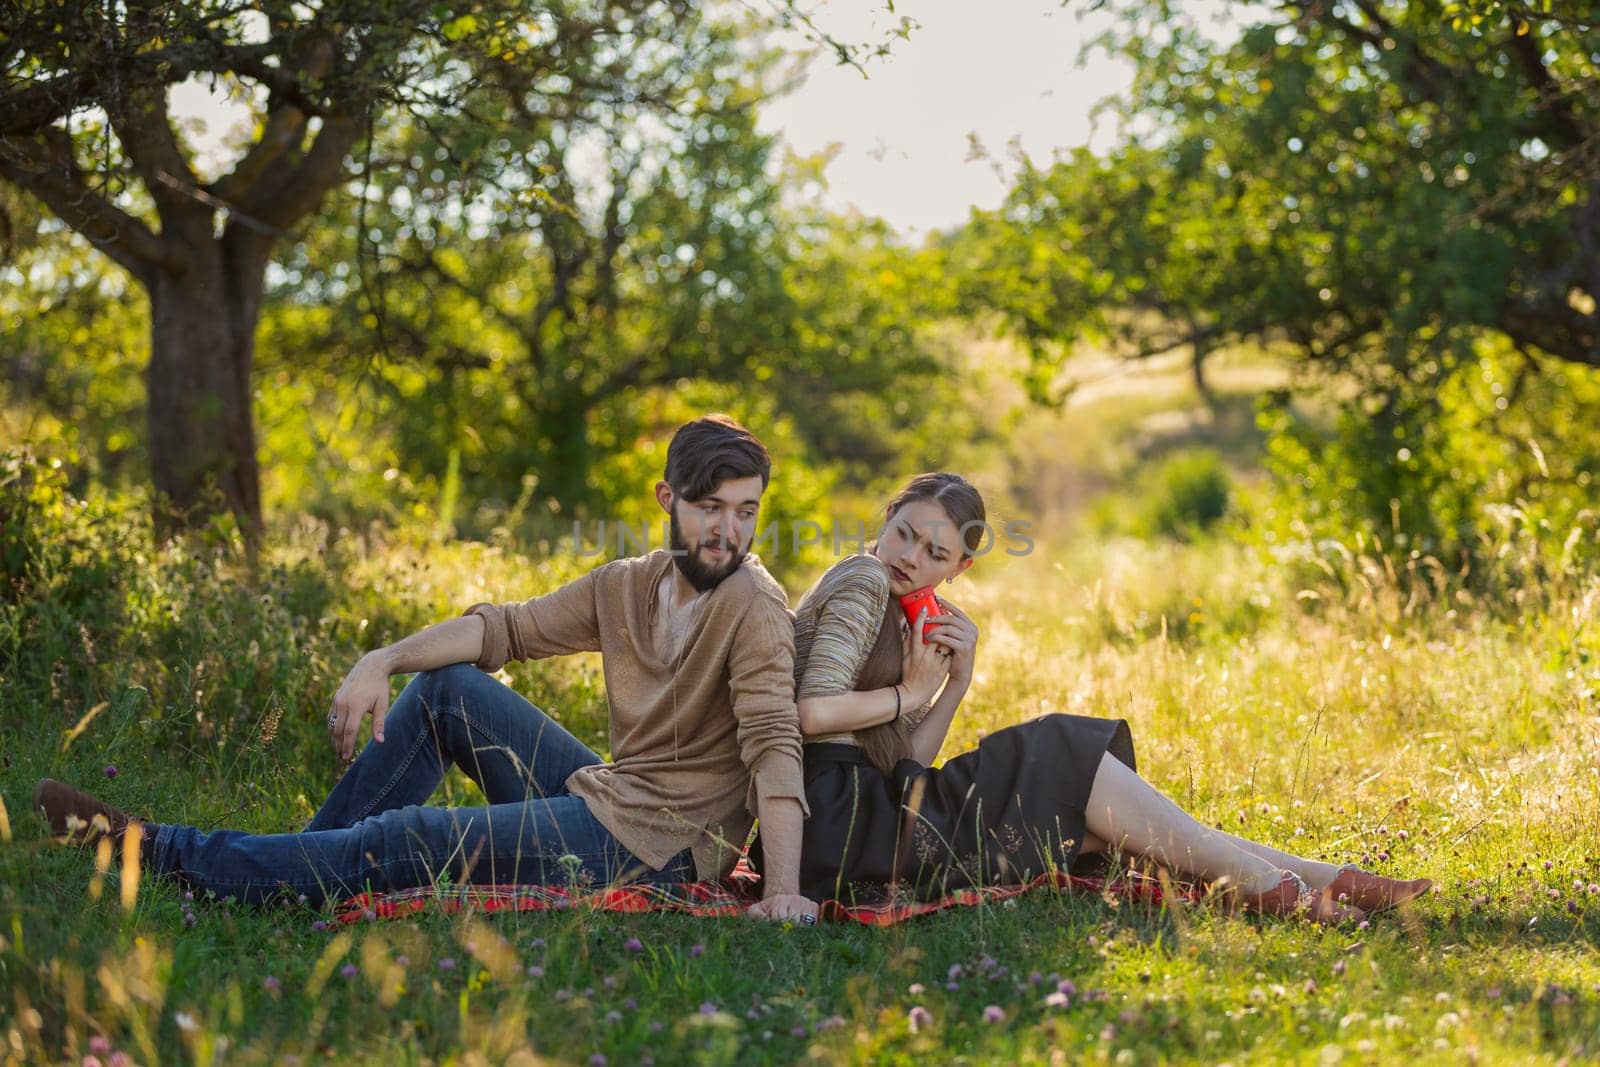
{"x": 837, "y": 713}
{"x": 957, "y": 635}
{"x": 927, "y": 737}
{"x": 925, "y": 668}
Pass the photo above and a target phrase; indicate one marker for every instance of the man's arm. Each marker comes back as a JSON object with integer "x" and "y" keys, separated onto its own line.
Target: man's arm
{"x": 761, "y": 677}
{"x": 366, "y": 688}
{"x": 781, "y": 821}
{"x": 486, "y": 635}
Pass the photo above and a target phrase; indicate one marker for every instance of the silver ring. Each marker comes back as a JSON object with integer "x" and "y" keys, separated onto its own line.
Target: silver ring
{"x": 808, "y": 920}
{"x": 333, "y": 719}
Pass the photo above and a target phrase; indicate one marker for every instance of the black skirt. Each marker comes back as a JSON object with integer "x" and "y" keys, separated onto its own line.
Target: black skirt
{"x": 1002, "y": 815}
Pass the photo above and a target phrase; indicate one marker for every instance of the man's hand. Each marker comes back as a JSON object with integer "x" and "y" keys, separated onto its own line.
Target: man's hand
{"x": 365, "y": 692}
{"x": 785, "y": 907}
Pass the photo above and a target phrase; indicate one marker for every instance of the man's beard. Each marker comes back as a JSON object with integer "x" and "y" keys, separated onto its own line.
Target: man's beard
{"x": 696, "y": 571}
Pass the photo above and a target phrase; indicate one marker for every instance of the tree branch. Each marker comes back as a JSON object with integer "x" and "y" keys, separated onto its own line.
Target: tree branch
{"x": 1197, "y": 336}
{"x": 632, "y": 374}
{"x": 1423, "y": 73}
{"x": 564, "y": 267}
{"x": 431, "y": 265}
{"x": 1558, "y": 104}
{"x": 285, "y": 128}
{"x": 1323, "y": 349}
{"x": 1553, "y": 326}
{"x": 139, "y": 117}
{"x": 43, "y": 166}
{"x": 615, "y": 233}
{"x": 299, "y": 192}
{"x": 288, "y": 112}
{"x": 33, "y": 105}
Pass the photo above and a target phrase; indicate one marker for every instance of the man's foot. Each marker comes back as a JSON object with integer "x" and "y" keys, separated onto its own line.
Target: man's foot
{"x": 77, "y": 818}
{"x": 1373, "y": 892}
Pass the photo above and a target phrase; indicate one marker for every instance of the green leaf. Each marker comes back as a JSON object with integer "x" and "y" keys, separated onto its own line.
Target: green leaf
{"x": 459, "y": 27}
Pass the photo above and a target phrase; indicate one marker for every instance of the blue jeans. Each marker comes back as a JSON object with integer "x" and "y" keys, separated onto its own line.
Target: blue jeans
{"x": 374, "y": 831}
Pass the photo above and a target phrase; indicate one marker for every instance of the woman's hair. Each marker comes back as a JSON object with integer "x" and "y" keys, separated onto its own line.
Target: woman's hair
{"x": 708, "y": 451}
{"x": 956, "y": 496}
{"x": 890, "y": 742}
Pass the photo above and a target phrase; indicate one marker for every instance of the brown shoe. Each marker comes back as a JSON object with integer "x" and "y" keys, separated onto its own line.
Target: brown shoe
{"x": 1373, "y": 892}
{"x": 75, "y": 817}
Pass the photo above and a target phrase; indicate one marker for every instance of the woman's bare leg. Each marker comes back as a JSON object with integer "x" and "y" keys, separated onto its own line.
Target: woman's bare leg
{"x": 1363, "y": 889}
{"x": 1317, "y": 874}
{"x": 1127, "y": 812}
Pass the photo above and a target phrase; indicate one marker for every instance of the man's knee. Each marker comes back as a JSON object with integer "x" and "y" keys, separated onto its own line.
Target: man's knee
{"x": 439, "y": 685}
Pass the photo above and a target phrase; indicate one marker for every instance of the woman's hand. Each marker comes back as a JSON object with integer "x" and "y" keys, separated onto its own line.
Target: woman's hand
{"x": 924, "y": 664}
{"x": 958, "y": 636}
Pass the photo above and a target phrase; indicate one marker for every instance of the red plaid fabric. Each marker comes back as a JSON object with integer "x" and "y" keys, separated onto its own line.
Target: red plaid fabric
{"x": 731, "y": 897}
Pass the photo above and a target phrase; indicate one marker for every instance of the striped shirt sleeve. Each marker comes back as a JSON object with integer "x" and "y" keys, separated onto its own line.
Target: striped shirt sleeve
{"x": 847, "y": 621}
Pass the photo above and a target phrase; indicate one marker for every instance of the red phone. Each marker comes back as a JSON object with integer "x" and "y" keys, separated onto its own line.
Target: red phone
{"x": 915, "y": 601}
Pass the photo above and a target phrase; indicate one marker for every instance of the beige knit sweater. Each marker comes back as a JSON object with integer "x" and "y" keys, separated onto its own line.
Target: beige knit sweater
{"x": 695, "y": 743}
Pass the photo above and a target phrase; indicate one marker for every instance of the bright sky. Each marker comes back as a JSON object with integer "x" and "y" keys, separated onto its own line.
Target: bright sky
{"x": 999, "y": 70}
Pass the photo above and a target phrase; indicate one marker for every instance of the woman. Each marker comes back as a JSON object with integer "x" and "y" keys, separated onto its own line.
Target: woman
{"x": 875, "y": 706}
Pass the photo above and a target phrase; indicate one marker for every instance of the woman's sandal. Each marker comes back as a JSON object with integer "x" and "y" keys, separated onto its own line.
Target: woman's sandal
{"x": 1372, "y": 892}
{"x": 1292, "y": 897}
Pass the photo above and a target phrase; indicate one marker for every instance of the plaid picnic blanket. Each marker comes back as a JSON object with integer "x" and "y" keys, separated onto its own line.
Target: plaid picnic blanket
{"x": 731, "y": 897}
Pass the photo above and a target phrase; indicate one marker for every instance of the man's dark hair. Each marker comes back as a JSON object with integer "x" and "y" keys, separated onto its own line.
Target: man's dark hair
{"x": 708, "y": 451}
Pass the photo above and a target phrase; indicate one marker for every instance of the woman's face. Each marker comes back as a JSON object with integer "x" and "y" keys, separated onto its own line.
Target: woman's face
{"x": 921, "y": 545}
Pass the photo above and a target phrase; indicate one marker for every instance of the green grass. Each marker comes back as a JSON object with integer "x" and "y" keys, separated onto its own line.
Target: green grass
{"x": 1443, "y": 736}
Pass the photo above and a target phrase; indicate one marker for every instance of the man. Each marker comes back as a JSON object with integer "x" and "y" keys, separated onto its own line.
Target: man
{"x": 697, "y": 647}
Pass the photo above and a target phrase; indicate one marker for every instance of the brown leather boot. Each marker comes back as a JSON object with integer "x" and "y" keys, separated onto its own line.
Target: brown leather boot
{"x": 75, "y": 817}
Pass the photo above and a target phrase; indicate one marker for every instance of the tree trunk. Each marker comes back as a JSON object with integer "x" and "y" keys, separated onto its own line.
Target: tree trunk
{"x": 565, "y": 475}
{"x": 1197, "y": 369}
{"x": 202, "y": 350}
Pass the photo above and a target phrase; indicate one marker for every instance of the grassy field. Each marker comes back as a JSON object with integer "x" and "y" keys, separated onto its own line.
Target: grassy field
{"x": 1311, "y": 699}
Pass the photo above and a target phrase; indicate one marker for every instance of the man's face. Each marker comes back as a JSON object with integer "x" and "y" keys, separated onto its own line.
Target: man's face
{"x": 710, "y": 536}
